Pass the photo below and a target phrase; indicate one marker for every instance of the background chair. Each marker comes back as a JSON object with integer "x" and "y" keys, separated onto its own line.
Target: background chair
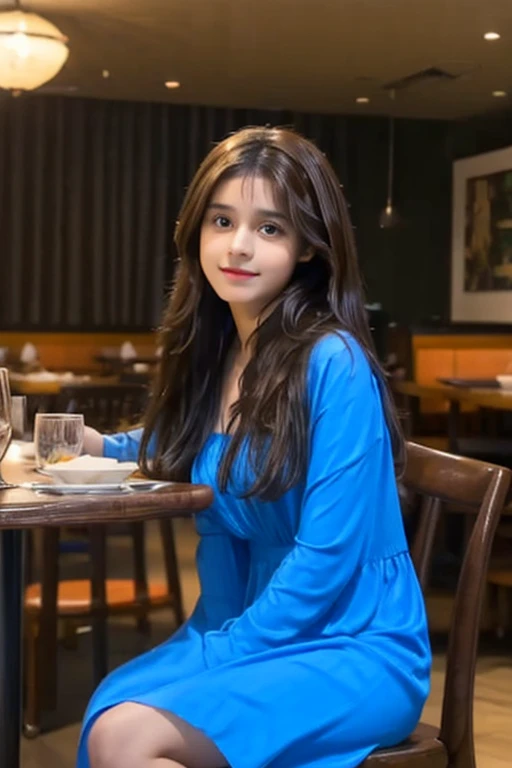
{"x": 89, "y": 601}
{"x": 107, "y": 408}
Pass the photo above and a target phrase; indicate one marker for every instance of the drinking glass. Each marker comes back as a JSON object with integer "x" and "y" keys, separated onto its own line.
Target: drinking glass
{"x": 57, "y": 437}
{"x": 5, "y": 419}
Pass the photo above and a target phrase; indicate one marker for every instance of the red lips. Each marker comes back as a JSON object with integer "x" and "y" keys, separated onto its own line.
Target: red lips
{"x": 238, "y": 272}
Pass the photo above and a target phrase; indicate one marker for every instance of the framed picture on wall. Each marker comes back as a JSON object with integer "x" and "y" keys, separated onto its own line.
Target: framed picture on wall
{"x": 481, "y": 277}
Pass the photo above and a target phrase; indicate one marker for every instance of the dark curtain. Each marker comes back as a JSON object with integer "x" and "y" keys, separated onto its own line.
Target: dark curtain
{"x": 90, "y": 191}
{"x": 83, "y": 213}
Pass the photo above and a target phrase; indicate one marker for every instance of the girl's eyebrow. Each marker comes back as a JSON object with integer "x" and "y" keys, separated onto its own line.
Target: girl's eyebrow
{"x": 260, "y": 211}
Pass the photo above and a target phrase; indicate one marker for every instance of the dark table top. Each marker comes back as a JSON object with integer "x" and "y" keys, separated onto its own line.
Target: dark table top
{"x": 25, "y": 508}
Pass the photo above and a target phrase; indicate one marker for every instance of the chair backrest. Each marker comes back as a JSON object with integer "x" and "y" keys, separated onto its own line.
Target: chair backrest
{"x": 480, "y": 489}
{"x": 105, "y": 407}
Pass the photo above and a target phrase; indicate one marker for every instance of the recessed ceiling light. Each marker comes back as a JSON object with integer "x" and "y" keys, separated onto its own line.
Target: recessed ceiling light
{"x": 499, "y": 94}
{"x": 362, "y": 100}
{"x": 492, "y": 36}
{"x": 172, "y": 84}
{"x": 105, "y": 74}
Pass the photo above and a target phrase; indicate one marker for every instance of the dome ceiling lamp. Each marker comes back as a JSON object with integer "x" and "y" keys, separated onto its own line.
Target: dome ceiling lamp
{"x": 32, "y": 49}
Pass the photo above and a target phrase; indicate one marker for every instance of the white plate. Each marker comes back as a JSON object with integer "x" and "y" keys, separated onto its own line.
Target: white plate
{"x": 103, "y": 473}
{"x": 97, "y": 488}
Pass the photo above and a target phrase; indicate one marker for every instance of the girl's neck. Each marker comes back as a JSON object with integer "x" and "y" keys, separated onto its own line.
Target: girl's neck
{"x": 245, "y": 326}
{"x": 246, "y": 321}
{"x": 239, "y": 355}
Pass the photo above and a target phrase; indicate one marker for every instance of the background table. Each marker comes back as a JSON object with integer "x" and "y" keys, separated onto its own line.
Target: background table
{"x": 496, "y": 399}
{"x": 499, "y": 399}
{"x": 20, "y": 385}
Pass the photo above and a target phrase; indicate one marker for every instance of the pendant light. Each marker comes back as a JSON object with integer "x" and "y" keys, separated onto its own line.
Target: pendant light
{"x": 32, "y": 49}
{"x": 389, "y": 216}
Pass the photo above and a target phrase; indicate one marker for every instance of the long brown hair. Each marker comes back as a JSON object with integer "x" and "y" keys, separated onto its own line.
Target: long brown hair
{"x": 324, "y": 295}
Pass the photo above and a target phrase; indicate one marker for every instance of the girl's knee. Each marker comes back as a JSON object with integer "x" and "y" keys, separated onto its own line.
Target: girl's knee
{"x": 132, "y": 735}
{"x": 110, "y": 743}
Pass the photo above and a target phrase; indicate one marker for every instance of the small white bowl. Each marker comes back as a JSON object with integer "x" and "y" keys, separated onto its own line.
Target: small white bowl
{"x": 70, "y": 475}
{"x": 505, "y": 380}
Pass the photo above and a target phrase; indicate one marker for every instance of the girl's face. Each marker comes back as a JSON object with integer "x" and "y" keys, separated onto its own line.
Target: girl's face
{"x": 248, "y": 248}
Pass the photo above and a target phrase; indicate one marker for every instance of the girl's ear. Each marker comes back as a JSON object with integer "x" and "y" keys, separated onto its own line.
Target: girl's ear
{"x": 307, "y": 255}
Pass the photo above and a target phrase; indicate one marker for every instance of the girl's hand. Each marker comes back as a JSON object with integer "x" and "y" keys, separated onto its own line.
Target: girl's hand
{"x": 93, "y": 442}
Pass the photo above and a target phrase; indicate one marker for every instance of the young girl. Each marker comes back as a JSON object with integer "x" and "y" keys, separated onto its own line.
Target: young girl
{"x": 308, "y": 646}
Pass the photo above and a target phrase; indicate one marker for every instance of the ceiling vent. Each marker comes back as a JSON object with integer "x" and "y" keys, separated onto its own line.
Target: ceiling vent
{"x": 423, "y": 77}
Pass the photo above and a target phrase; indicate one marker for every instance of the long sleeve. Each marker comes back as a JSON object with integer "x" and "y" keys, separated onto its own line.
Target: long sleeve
{"x": 123, "y": 446}
{"x": 339, "y": 508}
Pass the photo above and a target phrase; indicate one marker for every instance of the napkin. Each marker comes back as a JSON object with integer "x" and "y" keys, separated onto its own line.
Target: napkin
{"x": 29, "y": 353}
{"x": 90, "y": 470}
{"x": 127, "y": 351}
{"x": 88, "y": 462}
{"x": 94, "y": 463}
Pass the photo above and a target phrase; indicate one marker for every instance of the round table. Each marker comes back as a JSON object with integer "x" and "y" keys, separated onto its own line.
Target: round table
{"x": 23, "y": 508}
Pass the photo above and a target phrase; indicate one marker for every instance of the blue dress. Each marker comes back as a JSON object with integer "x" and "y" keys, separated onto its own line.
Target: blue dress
{"x": 308, "y": 646}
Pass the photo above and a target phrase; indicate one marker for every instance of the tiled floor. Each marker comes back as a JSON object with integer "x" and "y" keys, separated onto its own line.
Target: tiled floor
{"x": 493, "y": 694}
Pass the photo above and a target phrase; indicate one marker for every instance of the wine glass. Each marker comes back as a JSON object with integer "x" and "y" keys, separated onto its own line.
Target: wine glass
{"x": 5, "y": 420}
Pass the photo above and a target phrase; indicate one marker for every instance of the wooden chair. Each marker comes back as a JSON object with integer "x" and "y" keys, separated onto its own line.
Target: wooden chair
{"x": 89, "y": 601}
{"x": 482, "y": 489}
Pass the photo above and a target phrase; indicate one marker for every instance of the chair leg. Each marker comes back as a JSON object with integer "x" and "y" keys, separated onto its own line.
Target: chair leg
{"x": 171, "y": 569}
{"x": 98, "y": 550}
{"x": 137, "y": 531}
{"x": 144, "y": 625}
{"x": 99, "y": 648}
{"x": 32, "y": 709}
{"x": 69, "y": 637}
{"x": 28, "y": 555}
{"x": 48, "y": 618}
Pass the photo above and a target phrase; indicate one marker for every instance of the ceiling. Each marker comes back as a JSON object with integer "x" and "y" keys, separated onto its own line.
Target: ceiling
{"x": 307, "y": 55}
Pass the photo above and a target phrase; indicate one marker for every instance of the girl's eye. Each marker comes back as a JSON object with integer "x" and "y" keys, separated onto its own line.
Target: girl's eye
{"x": 271, "y": 229}
{"x": 221, "y": 221}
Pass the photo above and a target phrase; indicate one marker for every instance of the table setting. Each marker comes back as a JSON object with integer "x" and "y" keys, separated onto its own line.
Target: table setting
{"x": 56, "y": 452}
